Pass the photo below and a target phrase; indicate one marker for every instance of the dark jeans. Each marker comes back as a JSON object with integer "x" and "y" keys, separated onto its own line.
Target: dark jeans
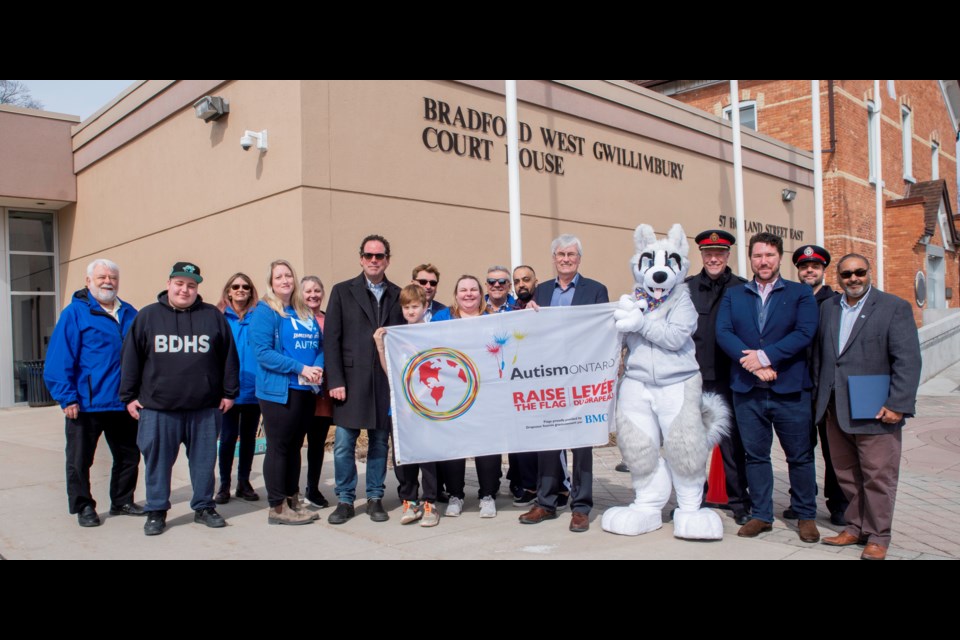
{"x": 285, "y": 426}
{"x": 160, "y": 435}
{"x": 83, "y": 434}
{"x": 760, "y": 413}
{"x": 241, "y": 421}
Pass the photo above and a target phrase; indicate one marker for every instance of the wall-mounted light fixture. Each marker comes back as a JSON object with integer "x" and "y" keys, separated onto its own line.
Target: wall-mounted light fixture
{"x": 210, "y": 108}
{"x": 788, "y": 195}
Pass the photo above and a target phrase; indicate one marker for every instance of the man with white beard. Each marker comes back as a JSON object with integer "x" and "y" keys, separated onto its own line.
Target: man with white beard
{"x": 82, "y": 372}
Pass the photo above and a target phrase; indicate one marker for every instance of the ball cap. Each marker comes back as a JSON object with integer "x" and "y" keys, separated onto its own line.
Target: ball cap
{"x": 811, "y": 253}
{"x": 186, "y": 270}
{"x": 715, "y": 239}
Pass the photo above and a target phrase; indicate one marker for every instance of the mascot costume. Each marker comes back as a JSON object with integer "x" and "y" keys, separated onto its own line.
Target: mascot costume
{"x": 660, "y": 402}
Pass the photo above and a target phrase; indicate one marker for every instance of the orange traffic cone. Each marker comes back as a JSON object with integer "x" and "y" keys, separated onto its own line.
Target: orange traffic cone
{"x": 717, "y": 480}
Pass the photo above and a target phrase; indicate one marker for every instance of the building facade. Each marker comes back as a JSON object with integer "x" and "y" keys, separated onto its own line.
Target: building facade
{"x": 421, "y": 162}
{"x": 918, "y": 158}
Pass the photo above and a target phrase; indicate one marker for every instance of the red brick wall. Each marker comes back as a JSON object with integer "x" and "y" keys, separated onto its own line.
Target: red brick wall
{"x": 783, "y": 112}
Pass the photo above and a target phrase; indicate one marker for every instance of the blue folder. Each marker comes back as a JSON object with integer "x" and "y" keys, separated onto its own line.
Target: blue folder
{"x": 867, "y": 395}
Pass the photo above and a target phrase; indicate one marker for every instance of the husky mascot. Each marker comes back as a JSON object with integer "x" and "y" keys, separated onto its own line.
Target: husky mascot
{"x": 660, "y": 403}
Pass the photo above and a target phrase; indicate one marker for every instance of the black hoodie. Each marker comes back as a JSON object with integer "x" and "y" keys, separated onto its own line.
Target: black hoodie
{"x": 179, "y": 359}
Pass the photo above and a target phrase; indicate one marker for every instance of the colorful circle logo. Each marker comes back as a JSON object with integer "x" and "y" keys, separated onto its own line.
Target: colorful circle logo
{"x": 440, "y": 384}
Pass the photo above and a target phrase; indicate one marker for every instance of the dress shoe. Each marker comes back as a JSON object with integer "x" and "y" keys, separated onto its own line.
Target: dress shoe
{"x": 536, "y": 515}
{"x": 245, "y": 491}
{"x": 129, "y": 509}
{"x": 874, "y": 551}
{"x": 223, "y": 496}
{"x": 342, "y": 513}
{"x": 837, "y": 519}
{"x": 741, "y": 518}
{"x": 156, "y": 523}
{"x": 807, "y": 529}
{"x": 844, "y": 539}
{"x": 580, "y": 522}
{"x": 88, "y": 517}
{"x": 376, "y": 511}
{"x": 789, "y": 514}
{"x": 753, "y": 528}
{"x": 209, "y": 517}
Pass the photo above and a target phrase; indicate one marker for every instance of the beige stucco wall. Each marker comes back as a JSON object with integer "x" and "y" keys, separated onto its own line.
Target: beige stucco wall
{"x": 347, "y": 158}
{"x": 36, "y": 160}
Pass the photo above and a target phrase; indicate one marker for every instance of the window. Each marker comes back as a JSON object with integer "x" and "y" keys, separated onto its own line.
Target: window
{"x": 872, "y": 140}
{"x": 934, "y": 161}
{"x": 748, "y": 114}
{"x": 906, "y": 121}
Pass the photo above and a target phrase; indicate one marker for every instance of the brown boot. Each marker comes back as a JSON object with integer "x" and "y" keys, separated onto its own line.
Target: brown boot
{"x": 285, "y": 515}
{"x": 297, "y": 504}
{"x": 754, "y": 528}
{"x": 807, "y": 529}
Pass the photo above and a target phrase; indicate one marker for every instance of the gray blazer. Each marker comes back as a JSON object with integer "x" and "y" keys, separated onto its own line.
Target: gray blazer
{"x": 884, "y": 340}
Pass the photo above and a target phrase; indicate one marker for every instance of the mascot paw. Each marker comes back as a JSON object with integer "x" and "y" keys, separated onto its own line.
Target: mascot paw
{"x": 629, "y": 314}
{"x": 702, "y": 524}
{"x": 627, "y": 521}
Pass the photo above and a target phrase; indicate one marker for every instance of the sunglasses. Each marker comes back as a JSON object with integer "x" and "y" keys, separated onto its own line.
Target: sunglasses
{"x": 424, "y": 283}
{"x": 237, "y": 287}
{"x": 857, "y": 272}
{"x": 499, "y": 281}
{"x": 371, "y": 256}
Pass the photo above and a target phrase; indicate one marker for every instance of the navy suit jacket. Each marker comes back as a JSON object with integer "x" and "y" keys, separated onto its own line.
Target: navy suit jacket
{"x": 792, "y": 319}
{"x": 587, "y": 291}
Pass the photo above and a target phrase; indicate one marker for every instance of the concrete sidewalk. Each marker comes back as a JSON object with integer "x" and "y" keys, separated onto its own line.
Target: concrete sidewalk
{"x": 34, "y": 522}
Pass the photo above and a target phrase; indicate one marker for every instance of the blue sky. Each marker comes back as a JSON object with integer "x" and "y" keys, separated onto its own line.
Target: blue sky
{"x": 76, "y": 97}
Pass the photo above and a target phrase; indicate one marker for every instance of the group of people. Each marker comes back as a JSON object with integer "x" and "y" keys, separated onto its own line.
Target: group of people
{"x": 185, "y": 372}
{"x": 788, "y": 356}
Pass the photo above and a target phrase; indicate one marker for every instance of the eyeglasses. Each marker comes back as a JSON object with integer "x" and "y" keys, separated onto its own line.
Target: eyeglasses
{"x": 371, "y": 256}
{"x": 237, "y": 287}
{"x": 426, "y": 282}
{"x": 857, "y": 272}
{"x": 499, "y": 281}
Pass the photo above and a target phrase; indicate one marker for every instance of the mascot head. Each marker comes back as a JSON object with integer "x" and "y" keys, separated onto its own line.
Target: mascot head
{"x": 659, "y": 265}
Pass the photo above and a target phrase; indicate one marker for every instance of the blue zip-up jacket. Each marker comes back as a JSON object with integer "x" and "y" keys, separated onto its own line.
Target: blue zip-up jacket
{"x": 83, "y": 360}
{"x": 248, "y": 359}
{"x": 274, "y": 368}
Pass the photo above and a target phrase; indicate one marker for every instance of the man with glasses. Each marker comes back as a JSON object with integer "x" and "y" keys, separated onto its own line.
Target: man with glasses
{"x": 498, "y": 290}
{"x": 357, "y": 382}
{"x": 568, "y": 288}
{"x": 428, "y": 277}
{"x": 82, "y": 372}
{"x": 867, "y": 353}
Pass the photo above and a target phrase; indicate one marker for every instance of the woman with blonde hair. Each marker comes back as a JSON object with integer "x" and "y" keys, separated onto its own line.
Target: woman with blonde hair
{"x": 313, "y": 294}
{"x": 237, "y": 302}
{"x": 289, "y": 349}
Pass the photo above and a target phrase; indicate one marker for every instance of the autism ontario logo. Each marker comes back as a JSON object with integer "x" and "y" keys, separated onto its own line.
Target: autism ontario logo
{"x": 440, "y": 384}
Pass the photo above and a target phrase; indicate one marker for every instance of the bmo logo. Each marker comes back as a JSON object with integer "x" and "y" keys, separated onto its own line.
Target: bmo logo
{"x": 179, "y": 344}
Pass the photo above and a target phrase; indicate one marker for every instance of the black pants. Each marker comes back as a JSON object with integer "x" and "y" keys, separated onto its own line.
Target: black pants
{"x": 83, "y": 434}
{"x": 523, "y": 471}
{"x": 285, "y": 426}
{"x": 241, "y": 421}
{"x": 317, "y": 430}
{"x": 407, "y": 476}
{"x": 552, "y": 477}
{"x": 488, "y": 475}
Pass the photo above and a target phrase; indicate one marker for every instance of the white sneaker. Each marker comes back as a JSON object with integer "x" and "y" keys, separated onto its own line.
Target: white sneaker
{"x": 488, "y": 507}
{"x": 454, "y": 507}
{"x": 411, "y": 512}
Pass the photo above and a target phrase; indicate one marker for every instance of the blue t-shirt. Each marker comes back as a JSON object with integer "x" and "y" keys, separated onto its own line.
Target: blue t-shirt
{"x": 301, "y": 341}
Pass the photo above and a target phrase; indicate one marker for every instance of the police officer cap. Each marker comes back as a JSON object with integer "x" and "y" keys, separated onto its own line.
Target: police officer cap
{"x": 715, "y": 239}
{"x": 811, "y": 253}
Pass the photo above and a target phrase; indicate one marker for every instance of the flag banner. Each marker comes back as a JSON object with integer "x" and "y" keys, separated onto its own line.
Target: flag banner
{"x": 503, "y": 383}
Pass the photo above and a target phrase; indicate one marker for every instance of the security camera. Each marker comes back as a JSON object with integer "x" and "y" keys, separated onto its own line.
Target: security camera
{"x": 249, "y": 137}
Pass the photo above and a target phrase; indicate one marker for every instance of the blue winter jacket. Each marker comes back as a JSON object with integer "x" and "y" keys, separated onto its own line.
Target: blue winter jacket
{"x": 83, "y": 360}
{"x": 248, "y": 359}
{"x": 274, "y": 368}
